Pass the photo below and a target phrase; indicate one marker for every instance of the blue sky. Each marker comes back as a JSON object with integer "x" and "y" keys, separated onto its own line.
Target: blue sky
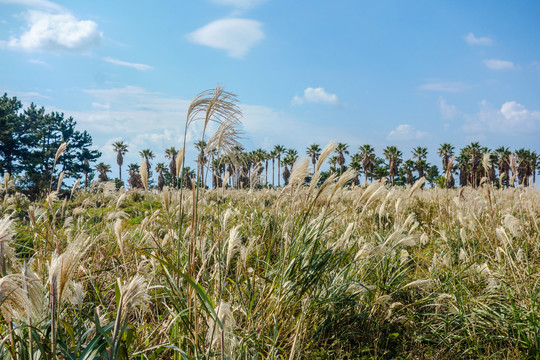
{"x": 379, "y": 72}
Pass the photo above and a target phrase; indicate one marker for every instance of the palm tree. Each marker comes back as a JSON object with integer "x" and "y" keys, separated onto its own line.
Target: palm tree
{"x": 172, "y": 153}
{"x": 292, "y": 156}
{"x": 341, "y": 150}
{"x": 287, "y": 160}
{"x": 218, "y": 167}
{"x": 266, "y": 157}
{"x": 160, "y": 168}
{"x": 463, "y": 164}
{"x": 258, "y": 156}
{"x": 86, "y": 165}
{"x": 475, "y": 153}
{"x": 103, "y": 169}
{"x": 332, "y": 160}
{"x": 147, "y": 155}
{"x": 201, "y": 160}
{"x": 134, "y": 180}
{"x": 121, "y": 148}
{"x": 525, "y": 166}
{"x": 408, "y": 168}
{"x": 503, "y": 164}
{"x": 278, "y": 151}
{"x": 356, "y": 165}
{"x": 314, "y": 151}
{"x": 367, "y": 153}
{"x": 420, "y": 154}
{"x": 446, "y": 151}
{"x": 533, "y": 165}
{"x": 187, "y": 175}
{"x": 393, "y": 155}
{"x": 272, "y": 155}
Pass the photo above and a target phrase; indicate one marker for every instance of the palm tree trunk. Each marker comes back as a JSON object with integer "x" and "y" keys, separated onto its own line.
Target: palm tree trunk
{"x": 278, "y": 169}
{"x": 273, "y": 171}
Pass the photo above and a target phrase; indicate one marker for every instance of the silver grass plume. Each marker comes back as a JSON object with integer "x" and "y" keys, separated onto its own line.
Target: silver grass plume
{"x": 421, "y": 284}
{"x": 61, "y": 149}
{"x": 6, "y": 181}
{"x": 75, "y": 187}
{"x": 36, "y": 293}
{"x": 144, "y": 174}
{"x": 418, "y": 184}
{"x": 165, "y": 194}
{"x": 226, "y": 179}
{"x": 225, "y": 316}
{"x": 118, "y": 233}
{"x": 232, "y": 244}
{"x": 486, "y": 162}
{"x": 299, "y": 173}
{"x": 64, "y": 266}
{"x": 132, "y": 295}
{"x": 179, "y": 161}
{"x": 225, "y": 139}
{"x": 327, "y": 151}
{"x": 216, "y": 105}
{"x": 60, "y": 179}
{"x": 513, "y": 224}
{"x": 13, "y": 300}
{"x": 6, "y": 234}
{"x": 119, "y": 201}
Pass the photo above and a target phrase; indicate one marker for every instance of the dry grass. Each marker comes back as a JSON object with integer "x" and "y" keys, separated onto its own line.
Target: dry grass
{"x": 304, "y": 272}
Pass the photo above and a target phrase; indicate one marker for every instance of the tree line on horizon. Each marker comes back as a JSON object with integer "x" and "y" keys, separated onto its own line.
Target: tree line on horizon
{"x": 468, "y": 167}
{"x": 29, "y": 141}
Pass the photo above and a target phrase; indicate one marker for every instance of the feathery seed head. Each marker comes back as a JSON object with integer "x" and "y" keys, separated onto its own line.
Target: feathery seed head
{"x": 144, "y": 174}
{"x": 75, "y": 186}
{"x": 61, "y": 149}
{"x": 327, "y": 151}
{"x": 179, "y": 161}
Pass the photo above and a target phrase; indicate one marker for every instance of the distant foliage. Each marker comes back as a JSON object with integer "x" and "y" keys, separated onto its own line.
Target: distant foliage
{"x": 29, "y": 141}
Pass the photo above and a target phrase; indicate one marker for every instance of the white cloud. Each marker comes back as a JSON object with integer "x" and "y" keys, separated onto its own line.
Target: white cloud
{"x": 97, "y": 105}
{"x": 140, "y": 67}
{"x": 316, "y": 95}
{"x": 512, "y": 118}
{"x": 241, "y": 4}
{"x": 496, "y": 64}
{"x": 482, "y": 41}
{"x": 444, "y": 86}
{"x": 448, "y": 111}
{"x": 235, "y": 36}
{"x": 56, "y": 33}
{"x": 38, "y": 62}
{"x": 406, "y": 132}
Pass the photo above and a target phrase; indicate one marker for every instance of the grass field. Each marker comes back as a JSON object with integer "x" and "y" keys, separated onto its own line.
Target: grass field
{"x": 323, "y": 272}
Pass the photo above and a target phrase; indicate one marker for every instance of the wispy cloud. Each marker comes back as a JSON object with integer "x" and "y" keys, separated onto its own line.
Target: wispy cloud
{"x": 406, "y": 132}
{"x": 448, "y": 111}
{"x": 480, "y": 41}
{"x": 240, "y": 4}
{"x": 316, "y": 95}
{"x": 235, "y": 36}
{"x": 37, "y": 4}
{"x": 510, "y": 118}
{"x": 38, "y": 62}
{"x": 140, "y": 67}
{"x": 61, "y": 32}
{"x": 496, "y": 64}
{"x": 444, "y": 86}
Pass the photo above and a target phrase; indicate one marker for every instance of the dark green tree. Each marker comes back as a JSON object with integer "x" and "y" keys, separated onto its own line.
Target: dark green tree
{"x": 12, "y": 130}
{"x": 44, "y": 135}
